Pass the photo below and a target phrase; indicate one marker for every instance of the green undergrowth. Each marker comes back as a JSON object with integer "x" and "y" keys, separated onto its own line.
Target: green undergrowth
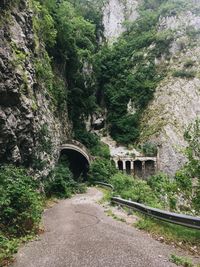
{"x": 127, "y": 70}
{"x": 101, "y": 170}
{"x": 107, "y": 194}
{"x": 158, "y": 191}
{"x": 114, "y": 216}
{"x": 134, "y": 189}
{"x": 20, "y": 209}
{"x": 179, "y": 235}
{"x": 22, "y": 201}
{"x": 60, "y": 183}
{"x": 182, "y": 261}
{"x": 10, "y": 245}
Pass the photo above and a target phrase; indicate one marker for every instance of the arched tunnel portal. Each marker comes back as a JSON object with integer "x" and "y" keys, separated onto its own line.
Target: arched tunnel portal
{"x": 78, "y": 158}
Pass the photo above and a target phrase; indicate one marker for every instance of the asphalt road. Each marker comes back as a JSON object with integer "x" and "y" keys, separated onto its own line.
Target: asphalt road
{"x": 79, "y": 234}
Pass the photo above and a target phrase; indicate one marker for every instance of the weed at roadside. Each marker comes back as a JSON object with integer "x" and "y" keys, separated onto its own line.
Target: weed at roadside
{"x": 181, "y": 261}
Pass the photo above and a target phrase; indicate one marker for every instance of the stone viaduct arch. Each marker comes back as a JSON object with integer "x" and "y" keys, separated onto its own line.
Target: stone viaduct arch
{"x": 141, "y": 167}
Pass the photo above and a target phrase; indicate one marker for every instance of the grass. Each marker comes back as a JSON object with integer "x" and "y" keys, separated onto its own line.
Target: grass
{"x": 9, "y": 246}
{"x": 114, "y": 216}
{"x": 184, "y": 74}
{"x": 179, "y": 235}
{"x": 181, "y": 261}
{"x": 107, "y": 193}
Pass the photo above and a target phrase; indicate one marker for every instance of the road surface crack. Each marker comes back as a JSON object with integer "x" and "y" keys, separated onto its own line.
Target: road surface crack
{"x": 91, "y": 215}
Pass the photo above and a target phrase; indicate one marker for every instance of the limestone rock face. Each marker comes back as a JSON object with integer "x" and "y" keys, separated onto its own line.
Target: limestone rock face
{"x": 28, "y": 118}
{"x": 176, "y": 104}
{"x": 115, "y": 13}
{"x": 176, "y": 101}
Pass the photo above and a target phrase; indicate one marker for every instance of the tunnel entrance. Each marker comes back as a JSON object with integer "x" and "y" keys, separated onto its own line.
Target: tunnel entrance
{"x": 78, "y": 164}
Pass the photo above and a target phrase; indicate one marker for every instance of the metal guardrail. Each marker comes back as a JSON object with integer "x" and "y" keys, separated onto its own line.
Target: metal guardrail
{"x": 175, "y": 218}
{"x": 180, "y": 219}
{"x": 105, "y": 184}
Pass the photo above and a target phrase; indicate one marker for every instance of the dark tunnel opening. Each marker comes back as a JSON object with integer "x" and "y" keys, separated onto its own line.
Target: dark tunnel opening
{"x": 78, "y": 164}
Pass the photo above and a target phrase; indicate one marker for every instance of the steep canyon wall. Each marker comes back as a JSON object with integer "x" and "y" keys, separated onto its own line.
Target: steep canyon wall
{"x": 31, "y": 130}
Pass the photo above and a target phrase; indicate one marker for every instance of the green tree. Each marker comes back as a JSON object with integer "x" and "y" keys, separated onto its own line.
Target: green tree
{"x": 192, "y": 136}
{"x": 101, "y": 170}
{"x": 192, "y": 168}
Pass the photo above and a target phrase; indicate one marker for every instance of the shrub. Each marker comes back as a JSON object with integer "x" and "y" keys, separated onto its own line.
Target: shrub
{"x": 101, "y": 150}
{"x": 20, "y": 204}
{"x": 149, "y": 149}
{"x": 44, "y": 71}
{"x": 196, "y": 200}
{"x": 181, "y": 261}
{"x": 192, "y": 168}
{"x": 44, "y": 24}
{"x": 136, "y": 190}
{"x": 90, "y": 140}
{"x": 101, "y": 170}
{"x": 7, "y": 248}
{"x": 121, "y": 182}
{"x": 183, "y": 180}
{"x": 60, "y": 183}
{"x": 162, "y": 184}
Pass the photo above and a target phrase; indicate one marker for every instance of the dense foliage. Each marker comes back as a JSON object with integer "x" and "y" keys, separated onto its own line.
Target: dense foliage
{"x": 72, "y": 53}
{"x": 20, "y": 209}
{"x": 125, "y": 72}
{"x": 60, "y": 183}
{"x": 192, "y": 169}
{"x": 66, "y": 39}
{"x": 127, "y": 69}
{"x": 20, "y": 204}
{"x": 101, "y": 170}
{"x": 149, "y": 149}
{"x": 136, "y": 190}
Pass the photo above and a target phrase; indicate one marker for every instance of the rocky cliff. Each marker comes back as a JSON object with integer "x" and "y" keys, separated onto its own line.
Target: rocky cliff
{"x": 174, "y": 52}
{"x": 115, "y": 14}
{"x": 31, "y": 129}
{"x": 176, "y": 101}
{"x": 33, "y": 124}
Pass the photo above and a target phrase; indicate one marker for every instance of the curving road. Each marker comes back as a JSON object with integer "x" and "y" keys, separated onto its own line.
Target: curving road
{"x": 79, "y": 234}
